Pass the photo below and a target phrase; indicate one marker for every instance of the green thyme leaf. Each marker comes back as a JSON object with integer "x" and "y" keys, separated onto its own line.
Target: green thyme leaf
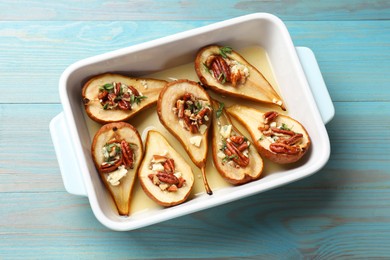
{"x": 105, "y": 106}
{"x": 138, "y": 99}
{"x": 220, "y": 109}
{"x": 261, "y": 138}
{"x": 198, "y": 105}
{"x": 108, "y": 86}
{"x": 285, "y": 127}
{"x": 223, "y": 145}
{"x": 222, "y": 78}
{"x": 224, "y": 51}
{"x": 231, "y": 157}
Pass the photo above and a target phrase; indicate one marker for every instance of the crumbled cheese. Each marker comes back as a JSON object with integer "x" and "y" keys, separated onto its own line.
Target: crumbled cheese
{"x": 196, "y": 140}
{"x": 277, "y": 102}
{"x": 125, "y": 88}
{"x": 178, "y": 174}
{"x": 246, "y": 153}
{"x": 221, "y": 155}
{"x": 163, "y": 186}
{"x": 181, "y": 123}
{"x": 144, "y": 83}
{"x": 157, "y": 167}
{"x": 273, "y": 124}
{"x": 270, "y": 139}
{"x": 225, "y": 131}
{"x": 238, "y": 67}
{"x": 202, "y": 129}
{"x": 114, "y": 177}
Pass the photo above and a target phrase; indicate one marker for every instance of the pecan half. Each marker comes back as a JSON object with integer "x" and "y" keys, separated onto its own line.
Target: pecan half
{"x": 269, "y": 116}
{"x": 103, "y": 94}
{"x": 237, "y": 139}
{"x": 124, "y": 105}
{"x": 240, "y": 158}
{"x": 284, "y": 148}
{"x": 106, "y": 167}
{"x": 169, "y": 165}
{"x": 282, "y": 131}
{"x": 243, "y": 146}
{"x": 111, "y": 97}
{"x": 134, "y": 91}
{"x": 294, "y": 139}
{"x": 127, "y": 154}
{"x": 205, "y": 111}
{"x": 220, "y": 69}
{"x": 167, "y": 178}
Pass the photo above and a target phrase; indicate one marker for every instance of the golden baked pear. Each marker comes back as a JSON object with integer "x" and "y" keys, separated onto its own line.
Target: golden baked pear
{"x": 235, "y": 158}
{"x": 113, "y": 98}
{"x": 227, "y": 72}
{"x": 184, "y": 108}
{"x": 277, "y": 137}
{"x": 164, "y": 175}
{"x": 117, "y": 152}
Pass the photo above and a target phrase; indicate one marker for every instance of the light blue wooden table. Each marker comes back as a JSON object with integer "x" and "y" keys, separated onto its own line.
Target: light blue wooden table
{"x": 343, "y": 211}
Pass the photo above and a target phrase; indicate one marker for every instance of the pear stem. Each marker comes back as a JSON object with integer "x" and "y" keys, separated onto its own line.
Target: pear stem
{"x": 205, "y": 183}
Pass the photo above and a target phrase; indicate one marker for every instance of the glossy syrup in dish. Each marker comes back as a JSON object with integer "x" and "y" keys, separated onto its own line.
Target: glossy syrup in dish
{"x": 149, "y": 120}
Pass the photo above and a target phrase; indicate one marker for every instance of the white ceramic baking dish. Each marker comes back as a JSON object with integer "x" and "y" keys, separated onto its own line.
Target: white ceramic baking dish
{"x": 295, "y": 70}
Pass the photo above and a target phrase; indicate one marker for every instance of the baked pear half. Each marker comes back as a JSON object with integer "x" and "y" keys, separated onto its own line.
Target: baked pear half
{"x": 113, "y": 98}
{"x": 164, "y": 175}
{"x": 235, "y": 158}
{"x": 117, "y": 152}
{"x": 277, "y": 137}
{"x": 227, "y": 72}
{"x": 184, "y": 108}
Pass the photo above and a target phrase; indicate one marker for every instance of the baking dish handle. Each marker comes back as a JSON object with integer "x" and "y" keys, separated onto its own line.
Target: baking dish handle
{"x": 316, "y": 83}
{"x": 71, "y": 174}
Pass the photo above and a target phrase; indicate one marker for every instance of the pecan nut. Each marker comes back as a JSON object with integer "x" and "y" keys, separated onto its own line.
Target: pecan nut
{"x": 169, "y": 165}
{"x": 294, "y": 139}
{"x": 237, "y": 139}
{"x": 240, "y": 158}
{"x": 167, "y": 178}
{"x": 124, "y": 105}
{"x": 106, "y": 167}
{"x": 284, "y": 148}
{"x": 127, "y": 155}
{"x": 220, "y": 68}
{"x": 282, "y": 131}
{"x": 270, "y": 116}
{"x": 134, "y": 90}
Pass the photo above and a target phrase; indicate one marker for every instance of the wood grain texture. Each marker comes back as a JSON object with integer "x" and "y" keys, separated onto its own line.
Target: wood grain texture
{"x": 341, "y": 212}
{"x": 343, "y": 207}
{"x": 350, "y": 54}
{"x": 191, "y": 10}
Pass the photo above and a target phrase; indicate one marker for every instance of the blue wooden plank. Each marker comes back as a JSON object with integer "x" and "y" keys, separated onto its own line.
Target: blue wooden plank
{"x": 277, "y": 224}
{"x": 27, "y": 159}
{"x": 353, "y": 56}
{"x": 191, "y": 10}
{"x": 344, "y": 204}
